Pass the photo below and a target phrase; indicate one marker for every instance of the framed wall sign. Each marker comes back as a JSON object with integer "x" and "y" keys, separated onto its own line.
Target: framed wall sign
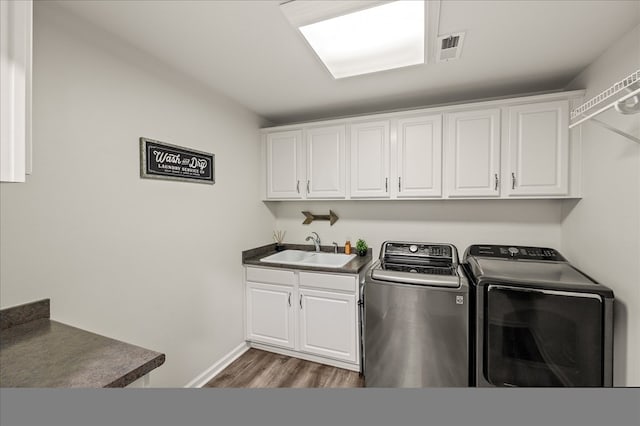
{"x": 159, "y": 160}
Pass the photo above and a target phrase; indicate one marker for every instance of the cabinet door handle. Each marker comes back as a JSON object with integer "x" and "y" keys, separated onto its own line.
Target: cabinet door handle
{"x": 399, "y": 184}
{"x": 497, "y": 182}
{"x": 513, "y": 180}
{"x": 289, "y": 299}
{"x": 308, "y": 182}
{"x": 386, "y": 184}
{"x": 298, "y": 186}
{"x": 301, "y": 301}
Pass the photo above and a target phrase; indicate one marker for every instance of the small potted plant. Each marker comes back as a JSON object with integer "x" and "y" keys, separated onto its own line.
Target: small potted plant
{"x": 278, "y": 236}
{"x": 361, "y": 247}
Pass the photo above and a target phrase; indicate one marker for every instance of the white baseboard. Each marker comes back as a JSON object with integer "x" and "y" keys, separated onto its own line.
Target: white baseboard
{"x": 218, "y": 366}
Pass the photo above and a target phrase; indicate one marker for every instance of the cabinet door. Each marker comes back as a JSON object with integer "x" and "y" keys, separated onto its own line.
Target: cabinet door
{"x": 472, "y": 156}
{"x": 328, "y": 324}
{"x": 420, "y": 157}
{"x": 270, "y": 314}
{"x": 538, "y": 149}
{"x": 16, "y": 26}
{"x": 370, "y": 160}
{"x": 326, "y": 162}
{"x": 285, "y": 165}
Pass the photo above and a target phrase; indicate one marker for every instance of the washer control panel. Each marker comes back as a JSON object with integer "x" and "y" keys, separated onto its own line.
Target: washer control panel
{"x": 399, "y": 248}
{"x": 515, "y": 252}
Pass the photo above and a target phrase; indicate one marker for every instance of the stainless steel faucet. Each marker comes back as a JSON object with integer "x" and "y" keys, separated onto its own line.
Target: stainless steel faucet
{"x": 335, "y": 247}
{"x": 316, "y": 240}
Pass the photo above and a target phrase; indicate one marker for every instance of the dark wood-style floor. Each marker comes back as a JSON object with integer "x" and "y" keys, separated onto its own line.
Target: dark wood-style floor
{"x": 260, "y": 369}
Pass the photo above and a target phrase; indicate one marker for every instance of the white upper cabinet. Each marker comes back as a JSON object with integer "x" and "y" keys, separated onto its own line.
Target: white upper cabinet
{"x": 309, "y": 164}
{"x": 537, "y": 151}
{"x": 370, "y": 159}
{"x": 326, "y": 162}
{"x": 15, "y": 89}
{"x": 507, "y": 148}
{"x": 285, "y": 165}
{"x": 472, "y": 156}
{"x": 419, "y": 157}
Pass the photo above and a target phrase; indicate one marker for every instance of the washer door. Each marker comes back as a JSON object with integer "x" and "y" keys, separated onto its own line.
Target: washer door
{"x": 543, "y": 338}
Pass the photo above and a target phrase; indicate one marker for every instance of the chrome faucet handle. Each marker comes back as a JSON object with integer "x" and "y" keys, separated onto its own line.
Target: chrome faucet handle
{"x": 316, "y": 240}
{"x": 317, "y": 237}
{"x": 335, "y": 247}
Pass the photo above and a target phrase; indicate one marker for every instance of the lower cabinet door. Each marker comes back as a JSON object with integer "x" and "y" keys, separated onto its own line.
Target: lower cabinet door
{"x": 270, "y": 314}
{"x": 328, "y": 323}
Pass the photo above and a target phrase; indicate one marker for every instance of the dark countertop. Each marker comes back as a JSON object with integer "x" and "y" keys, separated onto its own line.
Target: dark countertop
{"x": 252, "y": 257}
{"x": 45, "y": 353}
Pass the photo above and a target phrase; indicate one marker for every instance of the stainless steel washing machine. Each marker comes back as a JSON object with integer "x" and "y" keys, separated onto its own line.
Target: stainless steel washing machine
{"x": 416, "y": 317}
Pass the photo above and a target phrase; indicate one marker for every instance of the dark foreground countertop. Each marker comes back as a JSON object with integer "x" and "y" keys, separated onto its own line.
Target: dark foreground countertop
{"x": 45, "y": 353}
{"x": 252, "y": 257}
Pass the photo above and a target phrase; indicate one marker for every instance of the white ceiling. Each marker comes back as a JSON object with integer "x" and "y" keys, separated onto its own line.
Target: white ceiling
{"x": 248, "y": 51}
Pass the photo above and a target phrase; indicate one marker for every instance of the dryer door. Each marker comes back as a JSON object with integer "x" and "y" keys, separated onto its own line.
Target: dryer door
{"x": 537, "y": 337}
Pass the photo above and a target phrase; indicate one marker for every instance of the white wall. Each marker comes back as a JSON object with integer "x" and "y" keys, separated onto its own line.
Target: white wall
{"x": 601, "y": 233}
{"x": 153, "y": 263}
{"x": 461, "y": 222}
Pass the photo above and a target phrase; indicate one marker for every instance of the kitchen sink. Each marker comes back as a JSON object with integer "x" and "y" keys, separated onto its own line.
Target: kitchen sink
{"x": 329, "y": 260}
{"x": 287, "y": 256}
{"x": 310, "y": 258}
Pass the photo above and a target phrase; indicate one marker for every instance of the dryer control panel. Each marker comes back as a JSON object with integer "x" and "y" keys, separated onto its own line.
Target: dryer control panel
{"x": 515, "y": 252}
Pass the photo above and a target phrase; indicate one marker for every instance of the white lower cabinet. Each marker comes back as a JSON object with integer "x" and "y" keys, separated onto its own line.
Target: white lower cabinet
{"x": 270, "y": 315}
{"x": 315, "y": 315}
{"x": 328, "y": 324}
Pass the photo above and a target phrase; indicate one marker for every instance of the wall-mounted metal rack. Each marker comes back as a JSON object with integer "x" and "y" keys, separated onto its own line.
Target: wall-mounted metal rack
{"x": 624, "y": 96}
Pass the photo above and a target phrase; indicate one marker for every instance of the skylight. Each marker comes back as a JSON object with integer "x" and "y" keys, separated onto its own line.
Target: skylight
{"x": 375, "y": 39}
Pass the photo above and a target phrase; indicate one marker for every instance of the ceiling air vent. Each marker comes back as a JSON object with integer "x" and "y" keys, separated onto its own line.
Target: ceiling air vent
{"x": 449, "y": 47}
